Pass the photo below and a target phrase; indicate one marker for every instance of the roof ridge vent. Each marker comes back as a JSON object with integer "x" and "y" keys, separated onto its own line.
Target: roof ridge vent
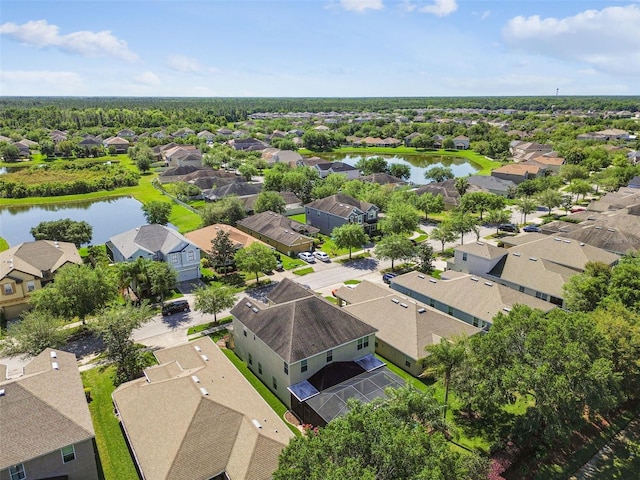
{"x": 195, "y": 379}
{"x": 198, "y": 349}
{"x": 474, "y": 279}
{"x": 55, "y": 365}
{"x": 205, "y": 358}
{"x": 611, "y": 229}
{"x": 422, "y": 310}
{"x": 557, "y": 239}
{"x": 506, "y": 309}
{"x": 480, "y": 243}
{"x": 395, "y": 300}
{"x": 53, "y": 354}
{"x": 488, "y": 284}
{"x": 566, "y": 241}
{"x": 533, "y": 259}
{"x": 404, "y": 305}
{"x": 433, "y": 280}
{"x": 256, "y": 423}
{"x": 420, "y": 276}
{"x": 204, "y": 391}
{"x": 255, "y": 309}
{"x": 516, "y": 254}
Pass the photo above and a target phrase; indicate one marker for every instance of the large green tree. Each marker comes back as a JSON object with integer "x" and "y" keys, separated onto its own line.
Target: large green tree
{"x": 398, "y": 438}
{"x": 157, "y": 212}
{"x": 229, "y": 211}
{"x": 480, "y": 202}
{"x": 36, "y": 331}
{"x": 222, "y": 249}
{"x": 462, "y": 223}
{"x": 255, "y": 258}
{"x": 550, "y": 198}
{"x": 399, "y": 218}
{"x": 269, "y": 200}
{"x": 526, "y": 205}
{"x": 444, "y": 233}
{"x": 65, "y": 230}
{"x": 584, "y": 292}
{"x": 441, "y": 361}
{"x": 395, "y": 247}
{"x": 77, "y": 291}
{"x": 349, "y": 235}
{"x": 439, "y": 174}
{"x": 429, "y": 203}
{"x": 115, "y": 326}
{"x": 214, "y": 299}
{"x": 142, "y": 155}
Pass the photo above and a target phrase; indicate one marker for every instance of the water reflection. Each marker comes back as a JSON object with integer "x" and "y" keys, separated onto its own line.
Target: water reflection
{"x": 419, "y": 164}
{"x": 107, "y": 217}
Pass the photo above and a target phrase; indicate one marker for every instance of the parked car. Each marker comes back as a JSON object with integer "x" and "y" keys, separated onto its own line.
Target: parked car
{"x": 531, "y": 228}
{"x": 176, "y": 306}
{"x": 307, "y": 257}
{"x": 387, "y": 277}
{"x": 508, "y": 227}
{"x": 323, "y": 257}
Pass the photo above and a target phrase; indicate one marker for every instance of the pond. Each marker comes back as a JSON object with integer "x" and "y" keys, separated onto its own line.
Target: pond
{"x": 107, "y": 217}
{"x": 419, "y": 164}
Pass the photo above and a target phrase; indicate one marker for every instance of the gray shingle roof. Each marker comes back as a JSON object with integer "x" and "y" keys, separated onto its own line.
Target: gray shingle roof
{"x": 37, "y": 257}
{"x": 278, "y": 227}
{"x": 151, "y": 238}
{"x": 301, "y": 328}
{"x": 340, "y": 205}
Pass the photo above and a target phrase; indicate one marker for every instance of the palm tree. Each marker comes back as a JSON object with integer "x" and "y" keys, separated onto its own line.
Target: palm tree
{"x": 441, "y": 361}
{"x": 462, "y": 184}
{"x": 526, "y": 205}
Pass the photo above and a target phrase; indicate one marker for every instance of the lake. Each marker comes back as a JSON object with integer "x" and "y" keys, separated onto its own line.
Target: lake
{"x": 419, "y": 164}
{"x": 107, "y": 217}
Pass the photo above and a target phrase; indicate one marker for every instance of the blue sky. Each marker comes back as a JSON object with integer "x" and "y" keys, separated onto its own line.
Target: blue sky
{"x": 322, "y": 48}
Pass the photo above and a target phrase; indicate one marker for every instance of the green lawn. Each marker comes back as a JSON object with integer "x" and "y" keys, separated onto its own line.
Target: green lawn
{"x": 352, "y": 282}
{"x": 114, "y": 455}
{"x": 289, "y": 263}
{"x": 206, "y": 326}
{"x": 303, "y": 271}
{"x": 301, "y": 218}
{"x": 273, "y": 401}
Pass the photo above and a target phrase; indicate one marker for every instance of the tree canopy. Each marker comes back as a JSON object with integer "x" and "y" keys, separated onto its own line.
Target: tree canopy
{"x": 349, "y": 235}
{"x": 157, "y": 212}
{"x": 214, "y": 299}
{"x": 65, "y": 230}
{"x": 256, "y": 258}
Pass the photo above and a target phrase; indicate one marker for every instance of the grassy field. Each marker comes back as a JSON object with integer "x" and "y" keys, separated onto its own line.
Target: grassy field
{"x": 114, "y": 455}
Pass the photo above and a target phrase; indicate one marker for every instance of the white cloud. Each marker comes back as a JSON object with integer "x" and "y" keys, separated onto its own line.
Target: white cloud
{"x": 34, "y": 82}
{"x": 607, "y": 40}
{"x": 147, "y": 78}
{"x": 361, "y": 5}
{"x": 485, "y": 14}
{"x": 38, "y": 33}
{"x": 184, "y": 64}
{"x": 440, "y": 8}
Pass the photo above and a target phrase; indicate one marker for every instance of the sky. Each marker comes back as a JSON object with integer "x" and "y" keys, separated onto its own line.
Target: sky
{"x": 319, "y": 48}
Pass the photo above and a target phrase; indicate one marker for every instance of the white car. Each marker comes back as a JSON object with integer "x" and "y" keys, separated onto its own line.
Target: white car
{"x": 323, "y": 257}
{"x": 307, "y": 257}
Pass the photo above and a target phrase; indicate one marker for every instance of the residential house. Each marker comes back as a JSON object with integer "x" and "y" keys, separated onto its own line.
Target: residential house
{"x": 159, "y": 243}
{"x": 45, "y": 425}
{"x": 225, "y": 132}
{"x": 247, "y": 144}
{"x": 117, "y": 144}
{"x": 339, "y": 209}
{"x": 183, "y": 133}
{"x": 284, "y": 234}
{"x": 327, "y": 168}
{"x": 404, "y": 327}
{"x": 126, "y": 133}
{"x": 409, "y": 138}
{"x": 183, "y": 419}
{"x": 286, "y": 156}
{"x": 310, "y": 353}
{"x": 518, "y": 172}
{"x": 28, "y": 267}
{"x": 438, "y": 140}
{"x": 519, "y": 148}
{"x": 469, "y": 298}
{"x": 293, "y": 205}
{"x": 634, "y": 156}
{"x": 238, "y": 189}
{"x": 182, "y": 155}
{"x": 207, "y": 135}
{"x": 203, "y": 237}
{"x": 90, "y": 143}
{"x": 383, "y": 179}
{"x": 549, "y": 162}
{"x": 461, "y": 142}
{"x": 491, "y": 184}
{"x": 448, "y": 191}
{"x": 535, "y": 264}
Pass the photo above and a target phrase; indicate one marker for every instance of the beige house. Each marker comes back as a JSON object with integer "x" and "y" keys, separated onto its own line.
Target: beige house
{"x": 45, "y": 424}
{"x": 284, "y": 234}
{"x": 405, "y": 327}
{"x": 195, "y": 416}
{"x": 28, "y": 267}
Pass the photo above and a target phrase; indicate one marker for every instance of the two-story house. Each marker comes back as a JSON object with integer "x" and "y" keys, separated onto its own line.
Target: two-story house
{"x": 339, "y": 209}
{"x": 45, "y": 425}
{"x": 159, "y": 243}
{"x": 28, "y": 267}
{"x": 304, "y": 349}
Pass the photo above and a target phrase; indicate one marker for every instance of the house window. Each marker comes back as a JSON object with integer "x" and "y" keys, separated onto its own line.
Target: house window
{"x": 366, "y": 342}
{"x": 359, "y": 218}
{"x": 329, "y": 356}
{"x": 259, "y": 368}
{"x": 17, "y": 472}
{"x": 244, "y": 331}
{"x": 372, "y": 215}
{"x": 286, "y": 368}
{"x": 68, "y": 454}
{"x": 542, "y": 296}
{"x": 359, "y": 344}
{"x": 191, "y": 255}
{"x": 8, "y": 288}
{"x": 464, "y": 256}
{"x": 303, "y": 366}
{"x": 250, "y": 360}
{"x": 521, "y": 288}
{"x": 476, "y": 322}
{"x": 31, "y": 286}
{"x": 432, "y": 303}
{"x": 450, "y": 310}
{"x": 376, "y": 344}
{"x": 275, "y": 383}
{"x": 363, "y": 343}
{"x": 174, "y": 258}
{"x": 407, "y": 363}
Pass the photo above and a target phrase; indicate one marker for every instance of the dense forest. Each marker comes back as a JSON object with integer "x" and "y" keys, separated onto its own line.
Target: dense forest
{"x": 79, "y": 112}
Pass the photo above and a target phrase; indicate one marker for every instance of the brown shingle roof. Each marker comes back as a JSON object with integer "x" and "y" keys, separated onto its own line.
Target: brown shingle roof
{"x": 278, "y": 227}
{"x": 340, "y": 205}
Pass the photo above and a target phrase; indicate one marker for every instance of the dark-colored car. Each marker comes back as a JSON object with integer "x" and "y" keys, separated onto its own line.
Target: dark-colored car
{"x": 387, "y": 277}
{"x": 531, "y": 229}
{"x": 509, "y": 227}
{"x": 175, "y": 307}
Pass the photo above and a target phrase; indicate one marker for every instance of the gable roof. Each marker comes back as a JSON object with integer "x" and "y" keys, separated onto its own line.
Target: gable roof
{"x": 37, "y": 257}
{"x": 279, "y": 228}
{"x": 487, "y": 182}
{"x": 341, "y": 205}
{"x": 301, "y": 328}
{"x": 240, "y": 189}
{"x": 482, "y": 250}
{"x": 382, "y": 179}
{"x": 203, "y": 236}
{"x": 172, "y": 424}
{"x": 150, "y": 238}
{"x": 286, "y": 291}
{"x": 46, "y": 406}
{"x": 447, "y": 189}
{"x": 469, "y": 294}
{"x": 521, "y": 169}
{"x": 404, "y": 324}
